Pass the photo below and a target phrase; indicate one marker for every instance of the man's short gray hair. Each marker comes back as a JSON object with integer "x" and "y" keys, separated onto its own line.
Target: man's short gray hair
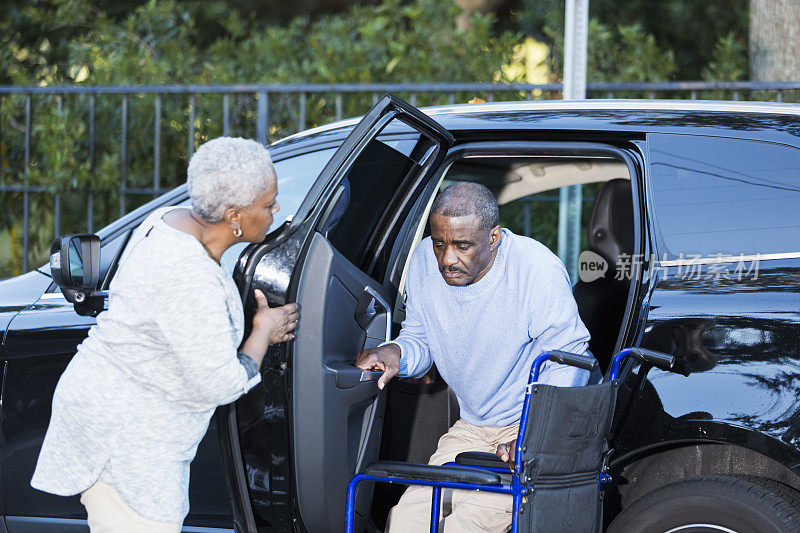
{"x": 228, "y": 172}
{"x": 465, "y": 198}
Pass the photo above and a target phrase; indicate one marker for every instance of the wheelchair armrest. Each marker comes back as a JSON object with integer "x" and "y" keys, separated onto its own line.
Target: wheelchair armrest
{"x": 484, "y": 459}
{"x": 454, "y": 474}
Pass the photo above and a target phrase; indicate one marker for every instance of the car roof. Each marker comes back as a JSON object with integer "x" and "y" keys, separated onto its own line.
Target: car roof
{"x": 775, "y": 120}
{"x": 765, "y": 121}
{"x": 622, "y": 104}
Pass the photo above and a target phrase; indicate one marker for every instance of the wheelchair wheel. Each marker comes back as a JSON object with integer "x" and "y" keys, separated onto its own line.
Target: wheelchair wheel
{"x": 721, "y": 504}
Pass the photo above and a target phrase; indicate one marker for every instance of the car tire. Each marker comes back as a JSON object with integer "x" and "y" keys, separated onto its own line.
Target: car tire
{"x": 722, "y": 504}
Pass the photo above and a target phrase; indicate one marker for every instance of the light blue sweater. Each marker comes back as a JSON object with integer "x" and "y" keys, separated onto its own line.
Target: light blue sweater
{"x": 484, "y": 337}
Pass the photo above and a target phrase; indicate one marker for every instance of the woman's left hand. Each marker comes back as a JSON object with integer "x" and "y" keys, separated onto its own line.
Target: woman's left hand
{"x": 277, "y": 323}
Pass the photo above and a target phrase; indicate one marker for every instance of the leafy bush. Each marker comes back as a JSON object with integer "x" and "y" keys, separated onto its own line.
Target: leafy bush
{"x": 689, "y": 31}
{"x": 52, "y": 42}
{"x": 158, "y": 42}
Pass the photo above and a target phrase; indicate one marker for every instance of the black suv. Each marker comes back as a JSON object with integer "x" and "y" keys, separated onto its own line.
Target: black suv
{"x": 691, "y": 248}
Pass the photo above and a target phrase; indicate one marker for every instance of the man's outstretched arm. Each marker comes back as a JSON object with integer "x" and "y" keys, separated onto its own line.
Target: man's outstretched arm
{"x": 407, "y": 355}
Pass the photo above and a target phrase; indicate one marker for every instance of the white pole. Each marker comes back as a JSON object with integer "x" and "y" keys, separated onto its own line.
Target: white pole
{"x": 576, "y": 29}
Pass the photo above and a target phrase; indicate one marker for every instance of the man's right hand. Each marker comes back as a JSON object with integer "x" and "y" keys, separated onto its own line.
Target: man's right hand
{"x": 386, "y": 358}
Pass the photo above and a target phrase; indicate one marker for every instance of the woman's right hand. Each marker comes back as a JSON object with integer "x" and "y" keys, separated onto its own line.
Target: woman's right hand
{"x": 277, "y": 323}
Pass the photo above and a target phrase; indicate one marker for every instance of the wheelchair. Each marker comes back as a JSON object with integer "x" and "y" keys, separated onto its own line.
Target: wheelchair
{"x": 561, "y": 455}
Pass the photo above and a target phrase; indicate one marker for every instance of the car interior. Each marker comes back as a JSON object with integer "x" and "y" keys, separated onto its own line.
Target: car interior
{"x": 527, "y": 189}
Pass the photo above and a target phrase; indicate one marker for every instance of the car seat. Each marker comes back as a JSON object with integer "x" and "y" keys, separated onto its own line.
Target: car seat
{"x": 601, "y": 303}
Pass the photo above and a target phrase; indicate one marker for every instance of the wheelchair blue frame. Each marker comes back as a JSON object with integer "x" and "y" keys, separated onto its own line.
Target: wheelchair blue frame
{"x": 515, "y": 489}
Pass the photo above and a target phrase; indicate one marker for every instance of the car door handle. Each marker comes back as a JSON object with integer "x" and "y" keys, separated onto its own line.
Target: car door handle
{"x": 370, "y": 375}
{"x": 347, "y": 375}
{"x": 370, "y": 310}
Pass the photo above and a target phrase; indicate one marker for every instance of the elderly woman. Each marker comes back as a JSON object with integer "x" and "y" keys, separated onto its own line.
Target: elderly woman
{"x": 135, "y": 401}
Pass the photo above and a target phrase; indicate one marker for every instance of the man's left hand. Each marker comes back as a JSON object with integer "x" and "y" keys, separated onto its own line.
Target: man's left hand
{"x": 506, "y": 451}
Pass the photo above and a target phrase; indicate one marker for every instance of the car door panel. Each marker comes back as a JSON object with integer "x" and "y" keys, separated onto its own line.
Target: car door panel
{"x": 316, "y": 419}
{"x": 341, "y": 415}
{"x": 717, "y": 296}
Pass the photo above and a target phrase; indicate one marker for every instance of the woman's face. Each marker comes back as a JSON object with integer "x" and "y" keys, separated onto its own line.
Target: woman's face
{"x": 257, "y": 218}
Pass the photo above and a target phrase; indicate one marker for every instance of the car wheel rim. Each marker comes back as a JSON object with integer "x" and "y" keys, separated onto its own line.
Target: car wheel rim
{"x": 699, "y": 528}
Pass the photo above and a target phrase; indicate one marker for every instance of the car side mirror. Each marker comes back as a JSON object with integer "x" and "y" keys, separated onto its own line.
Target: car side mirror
{"x": 75, "y": 267}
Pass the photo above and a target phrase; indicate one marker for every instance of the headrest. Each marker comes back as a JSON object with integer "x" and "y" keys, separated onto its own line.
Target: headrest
{"x": 611, "y": 223}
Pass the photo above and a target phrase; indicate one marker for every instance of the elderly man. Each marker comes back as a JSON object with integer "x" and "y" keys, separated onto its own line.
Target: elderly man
{"x": 483, "y": 303}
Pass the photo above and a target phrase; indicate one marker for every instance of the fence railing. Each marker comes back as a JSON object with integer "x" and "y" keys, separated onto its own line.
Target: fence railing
{"x": 75, "y": 158}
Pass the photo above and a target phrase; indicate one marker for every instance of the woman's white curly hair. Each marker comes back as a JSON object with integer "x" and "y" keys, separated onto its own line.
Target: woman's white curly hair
{"x": 228, "y": 172}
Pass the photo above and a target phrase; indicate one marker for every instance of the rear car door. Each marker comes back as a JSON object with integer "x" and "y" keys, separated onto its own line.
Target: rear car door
{"x": 337, "y": 247}
{"x": 723, "y": 295}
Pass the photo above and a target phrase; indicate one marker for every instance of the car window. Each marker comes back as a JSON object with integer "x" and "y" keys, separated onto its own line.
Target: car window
{"x": 368, "y": 189}
{"x": 723, "y": 196}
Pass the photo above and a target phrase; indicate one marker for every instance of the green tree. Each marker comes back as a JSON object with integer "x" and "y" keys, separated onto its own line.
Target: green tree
{"x": 167, "y": 42}
{"x": 687, "y": 30}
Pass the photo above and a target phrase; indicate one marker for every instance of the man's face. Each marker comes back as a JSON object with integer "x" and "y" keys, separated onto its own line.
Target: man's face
{"x": 463, "y": 249}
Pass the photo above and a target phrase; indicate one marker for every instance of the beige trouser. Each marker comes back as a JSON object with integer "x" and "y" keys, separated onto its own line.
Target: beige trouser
{"x": 108, "y": 513}
{"x": 468, "y": 510}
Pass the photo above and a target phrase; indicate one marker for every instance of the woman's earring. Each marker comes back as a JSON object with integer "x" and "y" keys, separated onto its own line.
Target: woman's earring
{"x": 237, "y": 231}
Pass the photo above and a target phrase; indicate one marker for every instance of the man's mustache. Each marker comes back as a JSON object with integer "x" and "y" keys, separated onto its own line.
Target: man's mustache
{"x": 452, "y": 269}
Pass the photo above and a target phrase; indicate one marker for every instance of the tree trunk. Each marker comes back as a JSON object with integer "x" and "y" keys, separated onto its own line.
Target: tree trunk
{"x": 775, "y": 40}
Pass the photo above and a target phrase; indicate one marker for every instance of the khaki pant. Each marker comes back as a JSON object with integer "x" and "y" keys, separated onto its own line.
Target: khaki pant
{"x": 463, "y": 510}
{"x": 108, "y": 513}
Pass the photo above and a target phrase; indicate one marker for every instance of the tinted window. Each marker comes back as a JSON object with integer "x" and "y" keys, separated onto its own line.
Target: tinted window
{"x": 368, "y": 189}
{"x": 715, "y": 195}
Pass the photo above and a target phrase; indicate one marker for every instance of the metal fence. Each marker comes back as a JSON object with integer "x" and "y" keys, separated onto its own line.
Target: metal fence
{"x": 82, "y": 156}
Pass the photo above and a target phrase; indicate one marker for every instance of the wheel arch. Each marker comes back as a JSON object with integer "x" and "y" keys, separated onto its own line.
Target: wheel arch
{"x": 653, "y": 468}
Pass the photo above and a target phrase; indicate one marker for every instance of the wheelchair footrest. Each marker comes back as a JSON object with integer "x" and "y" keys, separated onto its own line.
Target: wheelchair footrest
{"x": 484, "y": 459}
{"x": 453, "y": 474}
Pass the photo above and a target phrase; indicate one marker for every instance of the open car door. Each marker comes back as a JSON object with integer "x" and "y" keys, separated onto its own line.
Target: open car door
{"x": 337, "y": 408}
{"x": 337, "y": 249}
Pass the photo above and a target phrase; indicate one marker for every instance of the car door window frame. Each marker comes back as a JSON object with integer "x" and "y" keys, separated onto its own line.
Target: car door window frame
{"x": 400, "y": 204}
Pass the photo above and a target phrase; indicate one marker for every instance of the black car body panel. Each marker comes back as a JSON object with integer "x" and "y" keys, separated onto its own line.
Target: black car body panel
{"x": 743, "y": 342}
{"x": 740, "y": 337}
{"x": 18, "y": 293}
